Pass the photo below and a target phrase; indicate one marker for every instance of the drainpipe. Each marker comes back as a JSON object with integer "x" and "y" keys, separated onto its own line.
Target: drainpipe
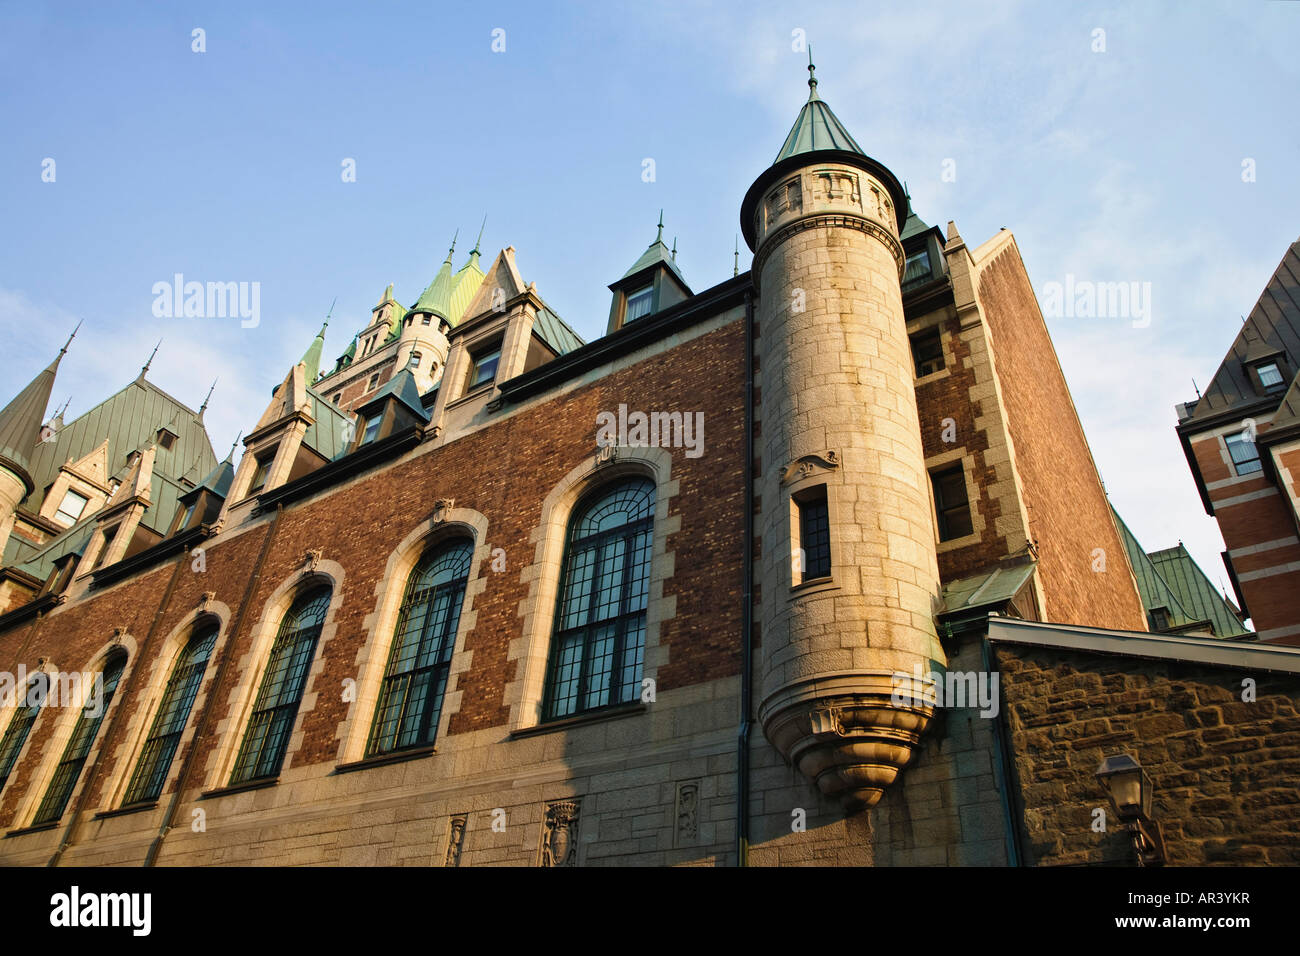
{"x": 187, "y": 767}
{"x": 125, "y": 693}
{"x": 746, "y": 653}
{"x": 1002, "y": 770}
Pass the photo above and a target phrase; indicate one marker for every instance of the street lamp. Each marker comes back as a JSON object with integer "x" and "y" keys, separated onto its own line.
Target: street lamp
{"x": 1129, "y": 789}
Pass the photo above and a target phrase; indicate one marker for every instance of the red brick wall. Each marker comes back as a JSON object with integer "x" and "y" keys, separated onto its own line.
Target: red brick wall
{"x": 1068, "y": 513}
{"x": 503, "y": 471}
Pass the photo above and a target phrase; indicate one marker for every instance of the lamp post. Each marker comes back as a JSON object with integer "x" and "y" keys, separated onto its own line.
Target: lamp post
{"x": 1129, "y": 789}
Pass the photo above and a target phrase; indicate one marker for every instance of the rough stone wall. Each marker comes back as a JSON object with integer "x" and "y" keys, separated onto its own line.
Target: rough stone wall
{"x": 1068, "y": 513}
{"x": 1223, "y": 770}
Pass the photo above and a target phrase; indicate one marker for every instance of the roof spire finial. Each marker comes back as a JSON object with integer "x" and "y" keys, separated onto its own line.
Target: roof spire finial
{"x": 812, "y": 76}
{"x": 204, "y": 407}
{"x": 674, "y": 248}
{"x": 233, "y": 445}
{"x": 146, "y": 365}
{"x": 479, "y": 240}
{"x": 735, "y": 268}
{"x": 660, "y": 237}
{"x": 70, "y": 338}
{"x": 1198, "y": 390}
{"x": 454, "y": 237}
{"x": 62, "y": 410}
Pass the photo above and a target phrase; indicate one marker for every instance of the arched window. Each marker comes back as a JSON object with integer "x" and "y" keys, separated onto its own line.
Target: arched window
{"x": 173, "y": 712}
{"x": 25, "y": 714}
{"x": 286, "y": 675}
{"x": 599, "y": 643}
{"x": 410, "y": 700}
{"x": 78, "y": 748}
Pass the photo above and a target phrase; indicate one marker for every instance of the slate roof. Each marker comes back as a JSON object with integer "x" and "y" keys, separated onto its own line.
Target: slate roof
{"x": 1273, "y": 325}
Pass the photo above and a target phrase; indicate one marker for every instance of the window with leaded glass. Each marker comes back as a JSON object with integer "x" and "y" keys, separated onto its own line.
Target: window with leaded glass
{"x": 169, "y": 724}
{"x": 410, "y": 700}
{"x": 20, "y": 725}
{"x": 78, "y": 748}
{"x": 277, "y": 701}
{"x": 599, "y": 643}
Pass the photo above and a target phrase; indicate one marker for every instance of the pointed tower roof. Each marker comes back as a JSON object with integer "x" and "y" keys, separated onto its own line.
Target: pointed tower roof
{"x": 311, "y": 358}
{"x": 657, "y": 253}
{"x": 466, "y": 282}
{"x": 218, "y": 481}
{"x": 20, "y": 420}
{"x": 436, "y": 298}
{"x": 817, "y": 136}
{"x": 816, "y": 127}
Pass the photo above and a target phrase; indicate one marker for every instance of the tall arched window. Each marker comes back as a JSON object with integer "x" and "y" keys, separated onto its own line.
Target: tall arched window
{"x": 286, "y": 675}
{"x": 25, "y": 714}
{"x": 410, "y": 700}
{"x": 78, "y": 748}
{"x": 599, "y": 643}
{"x": 173, "y": 712}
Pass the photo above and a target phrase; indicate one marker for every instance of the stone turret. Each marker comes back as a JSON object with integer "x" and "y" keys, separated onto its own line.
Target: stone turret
{"x": 849, "y": 581}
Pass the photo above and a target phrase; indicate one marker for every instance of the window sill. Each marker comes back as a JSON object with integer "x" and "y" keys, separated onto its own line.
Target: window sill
{"x": 617, "y": 712}
{"x": 240, "y": 788}
{"x": 383, "y": 760}
{"x": 35, "y": 829}
{"x": 952, "y": 544}
{"x": 476, "y": 392}
{"x": 125, "y": 811}
{"x": 815, "y": 586}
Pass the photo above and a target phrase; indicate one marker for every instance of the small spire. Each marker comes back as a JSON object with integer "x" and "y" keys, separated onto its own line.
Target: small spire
{"x": 479, "y": 240}
{"x": 207, "y": 398}
{"x": 453, "y": 244}
{"x": 70, "y": 338}
{"x": 146, "y": 365}
{"x": 674, "y": 248}
{"x": 233, "y": 445}
{"x": 660, "y": 237}
{"x": 62, "y": 411}
{"x": 735, "y": 268}
{"x": 330, "y": 314}
{"x": 1198, "y": 390}
{"x": 905, "y": 192}
{"x": 812, "y": 76}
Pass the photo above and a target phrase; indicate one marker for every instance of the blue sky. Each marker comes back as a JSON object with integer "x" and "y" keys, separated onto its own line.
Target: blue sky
{"x": 1122, "y": 165}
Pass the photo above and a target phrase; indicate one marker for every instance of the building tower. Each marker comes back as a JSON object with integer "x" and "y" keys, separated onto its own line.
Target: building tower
{"x": 848, "y": 577}
{"x": 20, "y": 435}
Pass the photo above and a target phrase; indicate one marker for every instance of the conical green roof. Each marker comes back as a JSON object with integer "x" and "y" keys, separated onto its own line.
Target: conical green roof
{"x": 816, "y": 128}
{"x": 436, "y": 299}
{"x": 20, "y": 421}
{"x": 311, "y": 358}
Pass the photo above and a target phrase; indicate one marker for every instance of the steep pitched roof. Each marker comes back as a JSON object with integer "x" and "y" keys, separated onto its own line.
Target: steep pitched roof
{"x": 464, "y": 284}
{"x": 20, "y": 422}
{"x": 311, "y": 358}
{"x": 436, "y": 298}
{"x": 816, "y": 128}
{"x": 128, "y": 421}
{"x": 1154, "y": 591}
{"x": 403, "y": 388}
{"x": 1195, "y": 592}
{"x": 1272, "y": 326}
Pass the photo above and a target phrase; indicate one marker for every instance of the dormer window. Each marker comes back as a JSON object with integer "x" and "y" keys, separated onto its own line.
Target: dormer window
{"x": 483, "y": 368}
{"x": 372, "y": 428}
{"x": 71, "y": 508}
{"x": 918, "y": 266}
{"x": 1270, "y": 376}
{"x": 261, "y": 471}
{"x": 1267, "y": 370}
{"x": 639, "y": 303}
{"x": 166, "y": 438}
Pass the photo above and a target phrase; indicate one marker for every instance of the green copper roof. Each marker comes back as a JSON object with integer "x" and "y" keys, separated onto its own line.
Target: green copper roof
{"x": 20, "y": 421}
{"x": 1195, "y": 592}
{"x": 1152, "y": 588}
{"x": 436, "y": 298}
{"x": 913, "y": 226}
{"x": 218, "y": 481}
{"x": 989, "y": 587}
{"x": 657, "y": 253}
{"x": 403, "y": 388}
{"x": 555, "y": 332}
{"x": 464, "y": 286}
{"x": 816, "y": 128}
{"x": 311, "y": 358}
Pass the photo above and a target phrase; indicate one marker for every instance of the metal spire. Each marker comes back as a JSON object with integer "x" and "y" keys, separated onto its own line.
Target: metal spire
{"x": 660, "y": 237}
{"x": 812, "y": 76}
{"x": 674, "y": 248}
{"x": 70, "y": 338}
{"x": 735, "y": 268}
{"x": 204, "y": 406}
{"x": 454, "y": 237}
{"x": 146, "y": 365}
{"x": 479, "y": 240}
{"x": 233, "y": 445}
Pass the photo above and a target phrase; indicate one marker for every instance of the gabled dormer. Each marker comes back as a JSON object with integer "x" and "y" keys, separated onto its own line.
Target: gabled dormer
{"x": 394, "y": 407}
{"x": 80, "y": 488}
{"x": 652, "y": 284}
{"x": 271, "y": 449}
{"x": 202, "y": 504}
{"x": 118, "y": 533}
{"x": 1266, "y": 366}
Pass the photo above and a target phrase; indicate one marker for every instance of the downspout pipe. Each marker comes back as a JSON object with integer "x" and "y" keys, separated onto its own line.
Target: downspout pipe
{"x": 169, "y": 819}
{"x": 746, "y": 652}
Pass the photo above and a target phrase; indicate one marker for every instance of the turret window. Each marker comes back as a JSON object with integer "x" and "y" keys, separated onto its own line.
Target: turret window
{"x": 812, "y": 536}
{"x": 415, "y": 360}
{"x": 639, "y": 303}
